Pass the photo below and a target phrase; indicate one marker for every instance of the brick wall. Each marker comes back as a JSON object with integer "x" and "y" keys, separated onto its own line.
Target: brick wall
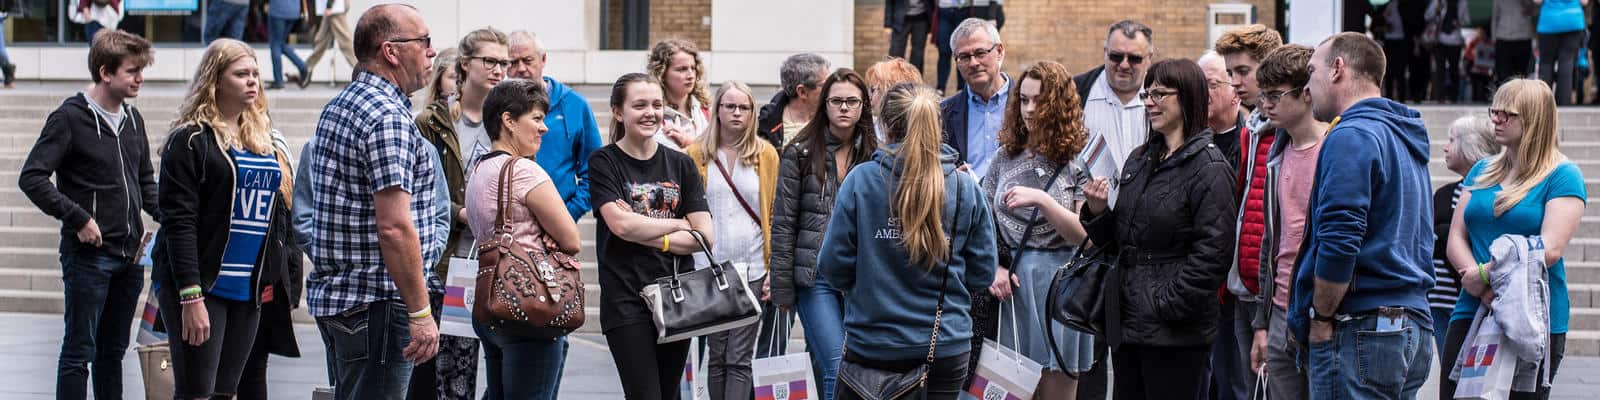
{"x": 1071, "y": 32}
{"x": 682, "y": 19}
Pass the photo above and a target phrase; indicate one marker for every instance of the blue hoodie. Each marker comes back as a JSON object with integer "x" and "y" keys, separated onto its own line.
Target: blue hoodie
{"x": 888, "y": 316}
{"x": 1370, "y": 220}
{"x": 564, "y": 152}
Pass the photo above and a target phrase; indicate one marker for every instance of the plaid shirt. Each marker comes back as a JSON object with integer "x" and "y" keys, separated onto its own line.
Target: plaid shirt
{"x": 366, "y": 141}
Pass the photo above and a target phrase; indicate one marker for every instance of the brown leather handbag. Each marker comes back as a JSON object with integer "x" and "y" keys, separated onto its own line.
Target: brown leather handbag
{"x": 529, "y": 292}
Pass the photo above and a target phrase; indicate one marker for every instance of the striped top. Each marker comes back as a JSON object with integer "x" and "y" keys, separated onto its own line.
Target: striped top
{"x": 1446, "y": 289}
{"x": 255, "y": 185}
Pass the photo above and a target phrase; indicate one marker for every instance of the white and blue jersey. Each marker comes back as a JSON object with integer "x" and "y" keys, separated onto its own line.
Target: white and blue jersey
{"x": 255, "y": 187}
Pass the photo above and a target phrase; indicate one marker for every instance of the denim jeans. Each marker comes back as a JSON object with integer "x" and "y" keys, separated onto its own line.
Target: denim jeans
{"x": 521, "y": 368}
{"x": 278, "y": 42}
{"x": 365, "y": 347}
{"x": 822, "y": 313}
{"x": 224, "y": 19}
{"x": 101, "y": 292}
{"x": 90, "y": 29}
{"x": 1363, "y": 363}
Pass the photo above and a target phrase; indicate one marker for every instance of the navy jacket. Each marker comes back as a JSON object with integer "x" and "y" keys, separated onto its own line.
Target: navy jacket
{"x": 953, "y": 116}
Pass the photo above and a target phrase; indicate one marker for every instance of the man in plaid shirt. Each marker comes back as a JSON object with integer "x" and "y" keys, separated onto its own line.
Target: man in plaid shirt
{"x": 372, "y": 192}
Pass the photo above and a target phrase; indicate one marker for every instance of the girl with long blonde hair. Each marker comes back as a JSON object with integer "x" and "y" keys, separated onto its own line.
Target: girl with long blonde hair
{"x": 1529, "y": 189}
{"x": 678, "y": 68}
{"x": 223, "y": 187}
{"x": 740, "y": 172}
{"x": 907, "y": 278}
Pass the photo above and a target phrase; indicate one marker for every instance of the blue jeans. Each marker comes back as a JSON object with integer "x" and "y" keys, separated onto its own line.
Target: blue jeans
{"x": 90, "y": 29}
{"x": 521, "y": 368}
{"x": 224, "y": 19}
{"x": 101, "y": 292}
{"x": 365, "y": 346}
{"x": 949, "y": 18}
{"x": 821, "y": 310}
{"x": 1363, "y": 363}
{"x": 1441, "y": 329}
{"x": 278, "y": 41}
{"x": 4, "y": 58}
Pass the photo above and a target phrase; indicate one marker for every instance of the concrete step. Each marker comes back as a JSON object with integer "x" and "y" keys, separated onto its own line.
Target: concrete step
{"x": 1583, "y": 343}
{"x": 1574, "y": 149}
{"x": 32, "y": 301}
{"x": 1583, "y": 249}
{"x": 36, "y": 279}
{"x": 1583, "y": 272}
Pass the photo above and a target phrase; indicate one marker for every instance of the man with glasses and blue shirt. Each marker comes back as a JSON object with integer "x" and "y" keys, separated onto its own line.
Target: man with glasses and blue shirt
{"x": 973, "y": 116}
{"x": 372, "y": 199}
{"x": 1114, "y": 115}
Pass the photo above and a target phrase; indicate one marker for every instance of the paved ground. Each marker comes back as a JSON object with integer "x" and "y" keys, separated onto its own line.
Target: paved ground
{"x": 29, "y": 344}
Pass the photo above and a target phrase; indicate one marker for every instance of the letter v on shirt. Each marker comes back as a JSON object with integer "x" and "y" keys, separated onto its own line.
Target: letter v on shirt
{"x": 255, "y": 187}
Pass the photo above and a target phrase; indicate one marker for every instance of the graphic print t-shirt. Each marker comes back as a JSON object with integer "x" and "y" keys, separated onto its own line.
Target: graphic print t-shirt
{"x": 665, "y": 186}
{"x": 255, "y": 185}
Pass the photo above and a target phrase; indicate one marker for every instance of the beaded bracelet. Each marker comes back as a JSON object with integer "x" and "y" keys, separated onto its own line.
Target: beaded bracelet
{"x": 192, "y": 300}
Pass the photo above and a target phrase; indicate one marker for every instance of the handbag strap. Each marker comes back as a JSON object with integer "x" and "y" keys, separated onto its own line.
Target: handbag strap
{"x": 502, "y": 195}
{"x": 728, "y": 178}
{"x": 938, "y": 311}
{"x": 1033, "y": 220}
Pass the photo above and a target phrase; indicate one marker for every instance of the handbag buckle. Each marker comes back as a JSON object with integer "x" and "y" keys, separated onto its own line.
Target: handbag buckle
{"x": 722, "y": 280}
{"x": 677, "y": 293}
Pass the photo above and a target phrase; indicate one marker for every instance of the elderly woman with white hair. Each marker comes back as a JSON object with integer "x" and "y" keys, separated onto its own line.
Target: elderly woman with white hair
{"x": 1471, "y": 139}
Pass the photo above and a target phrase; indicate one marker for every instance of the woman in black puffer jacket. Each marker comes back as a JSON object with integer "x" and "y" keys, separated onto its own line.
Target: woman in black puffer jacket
{"x": 838, "y": 137}
{"x": 1173, "y": 227}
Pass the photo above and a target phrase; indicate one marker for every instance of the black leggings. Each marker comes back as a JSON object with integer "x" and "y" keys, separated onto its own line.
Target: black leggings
{"x": 1457, "y": 336}
{"x": 214, "y": 367}
{"x": 1160, "y": 372}
{"x": 649, "y": 371}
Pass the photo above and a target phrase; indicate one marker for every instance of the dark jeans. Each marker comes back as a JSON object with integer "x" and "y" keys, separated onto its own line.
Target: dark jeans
{"x": 253, "y": 383}
{"x": 775, "y": 326}
{"x": 1231, "y": 374}
{"x": 916, "y": 32}
{"x": 1095, "y": 384}
{"x": 213, "y": 368}
{"x": 1160, "y": 372}
{"x": 101, "y": 292}
{"x": 365, "y": 347}
{"x": 1512, "y": 58}
{"x": 1557, "y": 62}
{"x": 648, "y": 371}
{"x": 90, "y": 29}
{"x": 1446, "y": 73}
{"x": 1360, "y": 362}
{"x": 224, "y": 19}
{"x": 278, "y": 42}
{"x": 522, "y": 368}
{"x": 948, "y": 19}
{"x": 1452, "y": 349}
{"x": 1396, "y": 85}
{"x": 944, "y": 379}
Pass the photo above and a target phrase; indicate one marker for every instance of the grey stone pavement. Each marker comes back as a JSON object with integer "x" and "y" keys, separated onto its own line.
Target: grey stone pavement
{"x": 29, "y": 344}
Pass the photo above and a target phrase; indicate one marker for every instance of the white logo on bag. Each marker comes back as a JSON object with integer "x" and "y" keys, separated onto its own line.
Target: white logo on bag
{"x": 780, "y": 392}
{"x": 994, "y": 392}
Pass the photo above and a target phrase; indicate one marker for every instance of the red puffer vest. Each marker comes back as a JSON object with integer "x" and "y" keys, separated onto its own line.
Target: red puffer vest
{"x": 1252, "y": 222}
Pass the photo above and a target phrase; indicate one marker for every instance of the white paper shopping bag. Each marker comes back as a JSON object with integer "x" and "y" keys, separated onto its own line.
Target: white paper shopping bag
{"x": 1002, "y": 374}
{"x": 785, "y": 377}
{"x": 1486, "y": 366}
{"x": 455, "y": 319}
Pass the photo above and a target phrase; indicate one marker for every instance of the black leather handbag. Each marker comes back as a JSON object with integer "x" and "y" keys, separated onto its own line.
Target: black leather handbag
{"x": 877, "y": 384}
{"x": 1078, "y": 292}
{"x": 700, "y": 302}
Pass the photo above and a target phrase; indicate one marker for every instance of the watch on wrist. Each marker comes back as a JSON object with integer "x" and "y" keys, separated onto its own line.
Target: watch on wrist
{"x": 1316, "y": 316}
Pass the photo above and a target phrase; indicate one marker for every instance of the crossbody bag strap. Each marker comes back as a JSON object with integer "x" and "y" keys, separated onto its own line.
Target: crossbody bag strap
{"x": 503, "y": 198}
{"x": 1033, "y": 220}
{"x": 728, "y": 178}
{"x": 938, "y": 311}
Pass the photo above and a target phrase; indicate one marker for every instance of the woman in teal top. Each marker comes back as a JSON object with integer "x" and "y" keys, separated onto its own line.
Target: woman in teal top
{"x": 1560, "y": 30}
{"x": 1529, "y": 189}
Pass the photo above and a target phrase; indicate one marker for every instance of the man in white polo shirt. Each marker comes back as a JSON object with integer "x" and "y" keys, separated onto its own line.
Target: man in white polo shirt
{"x": 1113, "y": 112}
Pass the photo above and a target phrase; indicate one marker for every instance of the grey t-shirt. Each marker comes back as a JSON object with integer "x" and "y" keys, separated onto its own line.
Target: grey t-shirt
{"x": 916, "y": 7}
{"x": 474, "y": 142}
{"x": 113, "y": 119}
{"x": 1027, "y": 170}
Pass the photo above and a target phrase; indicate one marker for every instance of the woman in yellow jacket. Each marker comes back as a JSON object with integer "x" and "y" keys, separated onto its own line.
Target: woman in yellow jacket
{"x": 740, "y": 171}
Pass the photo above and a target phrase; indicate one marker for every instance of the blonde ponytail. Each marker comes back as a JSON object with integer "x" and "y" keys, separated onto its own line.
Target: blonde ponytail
{"x": 911, "y": 112}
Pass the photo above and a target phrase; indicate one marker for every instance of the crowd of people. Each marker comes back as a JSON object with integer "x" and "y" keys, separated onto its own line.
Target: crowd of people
{"x": 865, "y": 204}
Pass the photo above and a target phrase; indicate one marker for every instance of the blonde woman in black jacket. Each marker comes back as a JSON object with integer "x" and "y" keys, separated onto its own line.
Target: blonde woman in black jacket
{"x": 221, "y": 179}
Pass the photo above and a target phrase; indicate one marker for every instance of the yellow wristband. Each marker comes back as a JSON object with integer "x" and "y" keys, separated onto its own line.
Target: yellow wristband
{"x": 425, "y": 312}
{"x": 666, "y": 242}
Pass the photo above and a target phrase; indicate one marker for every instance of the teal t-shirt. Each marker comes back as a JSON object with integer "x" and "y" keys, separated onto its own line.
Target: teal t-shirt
{"x": 1560, "y": 16}
{"x": 1526, "y": 218}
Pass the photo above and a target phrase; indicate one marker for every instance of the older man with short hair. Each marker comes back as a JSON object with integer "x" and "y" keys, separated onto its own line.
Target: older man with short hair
{"x": 574, "y": 133}
{"x": 791, "y": 109}
{"x": 373, "y": 197}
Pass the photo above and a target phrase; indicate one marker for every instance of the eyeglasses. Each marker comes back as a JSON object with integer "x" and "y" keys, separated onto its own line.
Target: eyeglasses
{"x": 979, "y": 53}
{"x": 1500, "y": 115}
{"x": 845, "y": 103}
{"x": 528, "y": 61}
{"x": 1272, "y": 96}
{"x": 1156, "y": 96}
{"x": 730, "y": 107}
{"x": 1217, "y": 83}
{"x": 1116, "y": 58}
{"x": 426, "y": 41}
{"x": 492, "y": 63}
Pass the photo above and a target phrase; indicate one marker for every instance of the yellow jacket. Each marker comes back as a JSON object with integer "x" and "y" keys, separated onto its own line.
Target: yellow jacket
{"x": 767, "y": 170}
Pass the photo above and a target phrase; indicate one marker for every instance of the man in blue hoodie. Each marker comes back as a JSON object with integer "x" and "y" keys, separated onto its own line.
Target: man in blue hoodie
{"x": 1359, "y": 296}
{"x": 564, "y": 152}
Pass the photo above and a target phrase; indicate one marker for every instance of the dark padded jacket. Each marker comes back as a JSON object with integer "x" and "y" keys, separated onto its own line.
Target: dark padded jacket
{"x": 1173, "y": 226}
{"x": 800, "y": 213}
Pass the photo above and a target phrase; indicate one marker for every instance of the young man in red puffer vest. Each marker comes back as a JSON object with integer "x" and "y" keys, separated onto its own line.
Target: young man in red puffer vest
{"x": 1243, "y": 49}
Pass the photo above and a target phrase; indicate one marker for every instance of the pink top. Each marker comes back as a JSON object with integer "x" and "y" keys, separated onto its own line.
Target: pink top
{"x": 483, "y": 191}
{"x": 1299, "y": 169}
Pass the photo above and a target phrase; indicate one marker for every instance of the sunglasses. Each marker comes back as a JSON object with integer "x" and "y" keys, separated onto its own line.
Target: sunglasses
{"x": 1116, "y": 58}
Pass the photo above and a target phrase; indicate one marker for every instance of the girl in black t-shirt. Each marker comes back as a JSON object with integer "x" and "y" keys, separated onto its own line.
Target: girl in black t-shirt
{"x": 649, "y": 198}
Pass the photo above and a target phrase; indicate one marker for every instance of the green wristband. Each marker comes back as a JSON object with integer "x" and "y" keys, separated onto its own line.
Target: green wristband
{"x": 189, "y": 291}
{"x": 1483, "y": 273}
